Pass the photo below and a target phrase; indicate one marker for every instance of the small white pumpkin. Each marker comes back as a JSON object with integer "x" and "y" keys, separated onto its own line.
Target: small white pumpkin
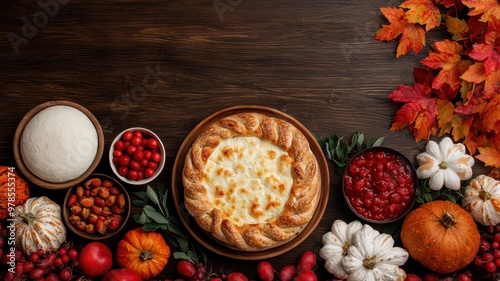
{"x": 336, "y": 243}
{"x": 446, "y": 164}
{"x": 482, "y": 200}
{"x": 373, "y": 257}
{"x": 39, "y": 225}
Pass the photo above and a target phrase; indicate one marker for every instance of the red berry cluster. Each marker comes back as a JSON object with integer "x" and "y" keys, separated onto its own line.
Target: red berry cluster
{"x": 465, "y": 276}
{"x": 193, "y": 272}
{"x": 136, "y": 155}
{"x": 40, "y": 265}
{"x": 303, "y": 271}
{"x": 486, "y": 265}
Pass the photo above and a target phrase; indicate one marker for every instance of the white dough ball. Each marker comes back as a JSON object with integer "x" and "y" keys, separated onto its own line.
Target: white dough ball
{"x": 59, "y": 144}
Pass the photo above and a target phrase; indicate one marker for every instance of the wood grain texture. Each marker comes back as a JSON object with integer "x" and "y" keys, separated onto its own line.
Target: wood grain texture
{"x": 166, "y": 65}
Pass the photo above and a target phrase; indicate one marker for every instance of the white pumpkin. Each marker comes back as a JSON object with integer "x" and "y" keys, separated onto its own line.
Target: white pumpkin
{"x": 373, "y": 257}
{"x": 39, "y": 225}
{"x": 482, "y": 200}
{"x": 336, "y": 243}
{"x": 446, "y": 164}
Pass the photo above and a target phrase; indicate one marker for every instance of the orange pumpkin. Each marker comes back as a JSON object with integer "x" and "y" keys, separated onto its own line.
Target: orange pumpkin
{"x": 13, "y": 189}
{"x": 441, "y": 235}
{"x": 144, "y": 252}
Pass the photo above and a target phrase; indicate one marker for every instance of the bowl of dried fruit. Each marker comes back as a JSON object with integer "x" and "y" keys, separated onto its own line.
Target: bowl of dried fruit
{"x": 379, "y": 185}
{"x": 97, "y": 208}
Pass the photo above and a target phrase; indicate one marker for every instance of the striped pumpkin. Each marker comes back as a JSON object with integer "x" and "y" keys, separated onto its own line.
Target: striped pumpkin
{"x": 39, "y": 225}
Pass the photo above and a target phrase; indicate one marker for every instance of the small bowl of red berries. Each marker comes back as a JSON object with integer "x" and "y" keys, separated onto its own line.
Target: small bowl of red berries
{"x": 379, "y": 185}
{"x": 137, "y": 156}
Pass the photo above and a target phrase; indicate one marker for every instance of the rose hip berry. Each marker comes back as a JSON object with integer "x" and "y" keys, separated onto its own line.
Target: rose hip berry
{"x": 307, "y": 261}
{"x": 379, "y": 185}
{"x": 186, "y": 268}
{"x": 265, "y": 271}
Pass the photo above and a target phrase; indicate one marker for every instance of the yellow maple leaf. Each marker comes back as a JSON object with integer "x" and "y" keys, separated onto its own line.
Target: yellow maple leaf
{"x": 423, "y": 12}
{"x": 457, "y": 27}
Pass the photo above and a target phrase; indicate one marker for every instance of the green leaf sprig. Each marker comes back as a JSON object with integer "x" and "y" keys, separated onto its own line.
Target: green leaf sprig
{"x": 155, "y": 215}
{"x": 425, "y": 194}
{"x": 338, "y": 150}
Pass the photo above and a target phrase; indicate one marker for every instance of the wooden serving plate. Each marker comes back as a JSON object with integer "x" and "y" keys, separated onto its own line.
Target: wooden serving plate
{"x": 18, "y": 157}
{"x": 203, "y": 238}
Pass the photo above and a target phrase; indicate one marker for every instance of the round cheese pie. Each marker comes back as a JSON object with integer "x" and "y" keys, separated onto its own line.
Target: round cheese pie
{"x": 251, "y": 181}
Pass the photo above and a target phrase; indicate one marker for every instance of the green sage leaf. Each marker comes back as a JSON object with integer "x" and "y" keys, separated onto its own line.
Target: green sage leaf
{"x": 142, "y": 195}
{"x": 154, "y": 215}
{"x": 182, "y": 256}
{"x": 150, "y": 226}
{"x": 138, "y": 203}
{"x": 152, "y": 195}
{"x": 378, "y": 142}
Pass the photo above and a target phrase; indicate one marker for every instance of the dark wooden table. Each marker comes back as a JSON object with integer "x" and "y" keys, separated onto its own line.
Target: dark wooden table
{"x": 166, "y": 65}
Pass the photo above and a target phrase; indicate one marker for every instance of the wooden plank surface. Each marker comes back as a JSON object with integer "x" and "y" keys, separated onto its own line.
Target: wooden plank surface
{"x": 166, "y": 65}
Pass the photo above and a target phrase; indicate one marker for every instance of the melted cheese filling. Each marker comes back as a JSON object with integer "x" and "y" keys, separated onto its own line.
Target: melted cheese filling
{"x": 248, "y": 179}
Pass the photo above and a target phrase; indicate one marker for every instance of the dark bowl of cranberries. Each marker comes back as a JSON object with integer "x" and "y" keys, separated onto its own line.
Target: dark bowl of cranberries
{"x": 137, "y": 156}
{"x": 379, "y": 185}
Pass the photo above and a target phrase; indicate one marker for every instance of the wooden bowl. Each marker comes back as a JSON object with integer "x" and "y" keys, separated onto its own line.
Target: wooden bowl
{"x": 161, "y": 150}
{"x": 34, "y": 178}
{"x": 97, "y": 236}
{"x": 207, "y": 241}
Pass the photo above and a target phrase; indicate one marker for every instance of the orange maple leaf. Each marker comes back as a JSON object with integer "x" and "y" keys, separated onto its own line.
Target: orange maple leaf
{"x": 490, "y": 156}
{"x": 491, "y": 115}
{"x": 446, "y": 112}
{"x": 412, "y": 35}
{"x": 492, "y": 84}
{"x": 423, "y": 12}
{"x": 475, "y": 73}
{"x": 485, "y": 7}
{"x": 474, "y": 141}
{"x": 449, "y": 60}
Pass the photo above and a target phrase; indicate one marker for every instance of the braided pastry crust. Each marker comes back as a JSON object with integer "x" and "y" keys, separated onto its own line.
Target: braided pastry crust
{"x": 240, "y": 199}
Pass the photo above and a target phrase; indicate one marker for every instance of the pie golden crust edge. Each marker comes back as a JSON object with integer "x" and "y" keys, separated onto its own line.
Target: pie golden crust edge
{"x": 298, "y": 201}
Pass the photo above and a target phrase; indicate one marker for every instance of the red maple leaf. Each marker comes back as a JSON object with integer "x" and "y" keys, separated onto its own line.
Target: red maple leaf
{"x": 419, "y": 111}
{"x": 448, "y": 58}
{"x": 412, "y": 35}
{"x": 475, "y": 102}
{"x": 488, "y": 54}
{"x": 492, "y": 36}
{"x": 450, "y": 3}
